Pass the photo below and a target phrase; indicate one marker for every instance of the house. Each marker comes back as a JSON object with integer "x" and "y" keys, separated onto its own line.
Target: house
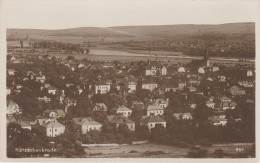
{"x": 237, "y": 91}
{"x": 137, "y": 105}
{"x": 13, "y": 108}
{"x": 217, "y": 121}
{"x": 87, "y": 124}
{"x": 81, "y": 65}
{"x": 247, "y": 84}
{"x": 52, "y": 90}
{"x": 44, "y": 99}
{"x": 79, "y": 90}
{"x": 151, "y": 86}
{"x": 228, "y": 105}
{"x": 222, "y": 78}
{"x": 215, "y": 69}
{"x": 170, "y": 87}
{"x": 155, "y": 68}
{"x": 154, "y": 110}
{"x": 181, "y": 69}
{"x": 249, "y": 73}
{"x": 181, "y": 85}
{"x": 211, "y": 98}
{"x": 122, "y": 110}
{"x": 24, "y": 125}
{"x": 54, "y": 113}
{"x": 120, "y": 120}
{"x": 102, "y": 88}
{"x": 19, "y": 86}
{"x": 11, "y": 72}
{"x": 100, "y": 107}
{"x": 225, "y": 99}
{"x": 8, "y": 91}
{"x": 161, "y": 102}
{"x": 132, "y": 87}
{"x": 40, "y": 79}
{"x": 53, "y": 128}
{"x": 192, "y": 105}
{"x": 201, "y": 70}
{"x": 182, "y": 116}
{"x": 151, "y": 121}
{"x": 210, "y": 104}
{"x": 193, "y": 81}
{"x": 192, "y": 89}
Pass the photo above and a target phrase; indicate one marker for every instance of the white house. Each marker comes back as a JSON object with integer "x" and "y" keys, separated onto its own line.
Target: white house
{"x": 11, "y": 72}
{"x": 40, "y": 79}
{"x": 154, "y": 110}
{"x": 214, "y": 69}
{"x": 100, "y": 107}
{"x": 132, "y": 86}
{"x": 217, "y": 121}
{"x": 8, "y": 91}
{"x": 163, "y": 103}
{"x": 201, "y": 70}
{"x": 210, "y": 104}
{"x": 102, "y": 88}
{"x": 53, "y": 128}
{"x": 182, "y": 116}
{"x": 249, "y": 73}
{"x": 151, "y": 121}
{"x": 120, "y": 119}
{"x": 122, "y": 110}
{"x": 87, "y": 124}
{"x": 13, "y": 108}
{"x": 151, "y": 86}
{"x": 52, "y": 90}
{"x": 181, "y": 69}
{"x": 155, "y": 68}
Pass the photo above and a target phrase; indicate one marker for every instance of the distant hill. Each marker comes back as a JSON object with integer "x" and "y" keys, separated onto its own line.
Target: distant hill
{"x": 166, "y": 30}
{"x": 141, "y": 31}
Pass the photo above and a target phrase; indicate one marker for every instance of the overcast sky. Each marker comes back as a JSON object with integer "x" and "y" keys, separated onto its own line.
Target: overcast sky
{"x": 102, "y": 13}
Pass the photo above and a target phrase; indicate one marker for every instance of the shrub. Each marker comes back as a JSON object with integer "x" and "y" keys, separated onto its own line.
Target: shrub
{"x": 133, "y": 151}
{"x": 198, "y": 154}
{"x": 150, "y": 153}
{"x": 195, "y": 148}
{"x": 219, "y": 153}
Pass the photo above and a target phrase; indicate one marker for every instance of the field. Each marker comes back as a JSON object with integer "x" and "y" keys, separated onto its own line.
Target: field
{"x": 158, "y": 151}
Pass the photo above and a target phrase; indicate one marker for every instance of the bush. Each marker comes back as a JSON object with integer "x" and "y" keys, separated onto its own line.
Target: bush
{"x": 133, "y": 151}
{"x": 198, "y": 154}
{"x": 94, "y": 154}
{"x": 195, "y": 148}
{"x": 219, "y": 153}
{"x": 150, "y": 153}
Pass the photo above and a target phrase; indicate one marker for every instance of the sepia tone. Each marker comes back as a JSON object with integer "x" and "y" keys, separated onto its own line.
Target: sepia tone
{"x": 142, "y": 91}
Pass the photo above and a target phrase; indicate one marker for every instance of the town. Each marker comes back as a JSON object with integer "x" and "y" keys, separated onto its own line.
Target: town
{"x": 66, "y": 103}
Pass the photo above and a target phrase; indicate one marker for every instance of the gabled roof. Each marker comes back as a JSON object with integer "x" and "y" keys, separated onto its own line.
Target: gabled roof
{"x": 151, "y": 119}
{"x": 87, "y": 121}
{"x": 52, "y": 124}
{"x": 154, "y": 107}
{"x": 216, "y": 119}
{"x": 123, "y": 108}
{"x": 24, "y": 124}
{"x": 179, "y": 116}
{"x": 118, "y": 119}
{"x": 102, "y": 106}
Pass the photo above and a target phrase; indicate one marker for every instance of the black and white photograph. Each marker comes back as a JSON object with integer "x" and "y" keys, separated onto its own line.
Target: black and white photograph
{"x": 129, "y": 79}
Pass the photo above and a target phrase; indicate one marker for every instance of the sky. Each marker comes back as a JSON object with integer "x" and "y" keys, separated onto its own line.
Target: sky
{"x": 61, "y": 14}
